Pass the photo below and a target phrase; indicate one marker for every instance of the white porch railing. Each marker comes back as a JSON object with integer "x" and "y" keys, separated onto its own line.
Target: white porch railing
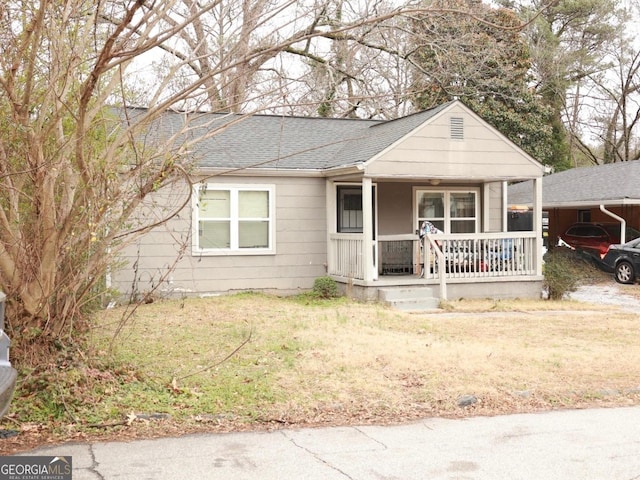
{"x": 345, "y": 255}
{"x": 481, "y": 255}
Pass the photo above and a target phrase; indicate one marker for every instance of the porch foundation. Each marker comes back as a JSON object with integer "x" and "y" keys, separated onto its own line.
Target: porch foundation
{"x": 496, "y": 290}
{"x": 499, "y": 288}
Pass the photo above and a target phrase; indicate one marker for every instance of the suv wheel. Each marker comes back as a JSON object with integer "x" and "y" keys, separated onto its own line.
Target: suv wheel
{"x": 624, "y": 273}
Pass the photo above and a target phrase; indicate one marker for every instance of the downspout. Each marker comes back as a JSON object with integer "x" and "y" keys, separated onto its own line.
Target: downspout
{"x": 623, "y": 223}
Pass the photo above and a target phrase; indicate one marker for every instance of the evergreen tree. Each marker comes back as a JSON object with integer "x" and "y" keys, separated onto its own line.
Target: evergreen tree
{"x": 477, "y": 53}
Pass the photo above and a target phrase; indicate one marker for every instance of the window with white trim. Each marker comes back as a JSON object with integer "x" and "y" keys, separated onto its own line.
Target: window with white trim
{"x": 234, "y": 219}
{"x": 452, "y": 211}
{"x": 350, "y": 215}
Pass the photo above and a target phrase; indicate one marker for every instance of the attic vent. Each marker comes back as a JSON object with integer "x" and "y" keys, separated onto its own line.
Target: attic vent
{"x": 457, "y": 128}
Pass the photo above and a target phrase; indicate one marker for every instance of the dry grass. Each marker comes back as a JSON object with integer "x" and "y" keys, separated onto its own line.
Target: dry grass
{"x": 310, "y": 362}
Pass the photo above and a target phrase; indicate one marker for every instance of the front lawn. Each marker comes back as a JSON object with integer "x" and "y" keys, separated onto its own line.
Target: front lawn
{"x": 255, "y": 361}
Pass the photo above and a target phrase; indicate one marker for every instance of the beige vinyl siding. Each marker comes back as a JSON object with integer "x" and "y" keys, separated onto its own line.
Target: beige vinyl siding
{"x": 395, "y": 208}
{"x": 495, "y": 207}
{"x": 430, "y": 152}
{"x": 300, "y": 241}
{"x": 396, "y": 205}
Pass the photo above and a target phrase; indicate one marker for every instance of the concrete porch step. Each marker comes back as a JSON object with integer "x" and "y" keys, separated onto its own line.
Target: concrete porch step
{"x": 409, "y": 298}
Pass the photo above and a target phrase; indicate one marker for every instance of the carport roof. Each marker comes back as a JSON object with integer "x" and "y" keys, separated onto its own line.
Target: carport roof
{"x": 611, "y": 184}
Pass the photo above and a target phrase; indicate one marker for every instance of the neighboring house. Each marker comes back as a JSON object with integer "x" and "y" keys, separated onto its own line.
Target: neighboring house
{"x": 586, "y": 194}
{"x": 285, "y": 200}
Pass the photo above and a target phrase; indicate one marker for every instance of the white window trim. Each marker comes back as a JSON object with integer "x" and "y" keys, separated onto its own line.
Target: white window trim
{"x": 338, "y": 187}
{"x": 447, "y": 204}
{"x": 234, "y": 189}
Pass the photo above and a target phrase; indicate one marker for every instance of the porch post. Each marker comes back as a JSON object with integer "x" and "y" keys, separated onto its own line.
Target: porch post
{"x": 537, "y": 222}
{"x": 367, "y": 230}
{"x": 505, "y": 207}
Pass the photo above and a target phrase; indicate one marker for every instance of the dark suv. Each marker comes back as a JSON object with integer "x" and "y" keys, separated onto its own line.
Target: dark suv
{"x": 624, "y": 260}
{"x": 596, "y": 237}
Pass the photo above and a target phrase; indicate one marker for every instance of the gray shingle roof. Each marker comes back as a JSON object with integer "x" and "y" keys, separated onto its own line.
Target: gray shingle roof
{"x": 280, "y": 142}
{"x": 286, "y": 142}
{"x": 380, "y": 136}
{"x": 611, "y": 183}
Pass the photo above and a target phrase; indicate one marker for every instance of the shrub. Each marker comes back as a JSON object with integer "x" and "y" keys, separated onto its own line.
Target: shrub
{"x": 560, "y": 273}
{"x": 325, "y": 287}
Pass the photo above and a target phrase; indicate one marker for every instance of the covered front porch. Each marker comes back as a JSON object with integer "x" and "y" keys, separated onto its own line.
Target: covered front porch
{"x": 472, "y": 256}
{"x": 481, "y": 265}
{"x": 450, "y": 169}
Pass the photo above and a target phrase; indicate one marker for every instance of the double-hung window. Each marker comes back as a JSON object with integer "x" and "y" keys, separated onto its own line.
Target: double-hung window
{"x": 452, "y": 211}
{"x": 350, "y": 213}
{"x": 236, "y": 219}
{"x": 350, "y": 219}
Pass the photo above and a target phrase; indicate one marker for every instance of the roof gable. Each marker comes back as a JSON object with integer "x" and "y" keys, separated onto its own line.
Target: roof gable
{"x": 453, "y": 143}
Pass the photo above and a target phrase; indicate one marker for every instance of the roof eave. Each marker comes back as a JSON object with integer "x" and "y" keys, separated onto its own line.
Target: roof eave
{"x": 262, "y": 172}
{"x": 343, "y": 170}
{"x": 592, "y": 203}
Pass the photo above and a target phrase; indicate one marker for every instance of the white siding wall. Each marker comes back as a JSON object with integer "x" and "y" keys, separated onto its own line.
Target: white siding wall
{"x": 300, "y": 223}
{"x": 430, "y": 152}
{"x": 495, "y": 207}
{"x": 395, "y": 208}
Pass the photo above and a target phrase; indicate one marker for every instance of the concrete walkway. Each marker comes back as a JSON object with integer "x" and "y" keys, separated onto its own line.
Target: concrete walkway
{"x": 573, "y": 444}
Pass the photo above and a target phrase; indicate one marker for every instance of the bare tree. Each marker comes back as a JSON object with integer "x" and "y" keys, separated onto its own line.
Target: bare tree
{"x": 605, "y": 105}
{"x": 75, "y": 172}
{"x": 72, "y": 171}
{"x": 566, "y": 39}
{"x": 610, "y": 123}
{"x": 80, "y": 166}
{"x": 332, "y": 57}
